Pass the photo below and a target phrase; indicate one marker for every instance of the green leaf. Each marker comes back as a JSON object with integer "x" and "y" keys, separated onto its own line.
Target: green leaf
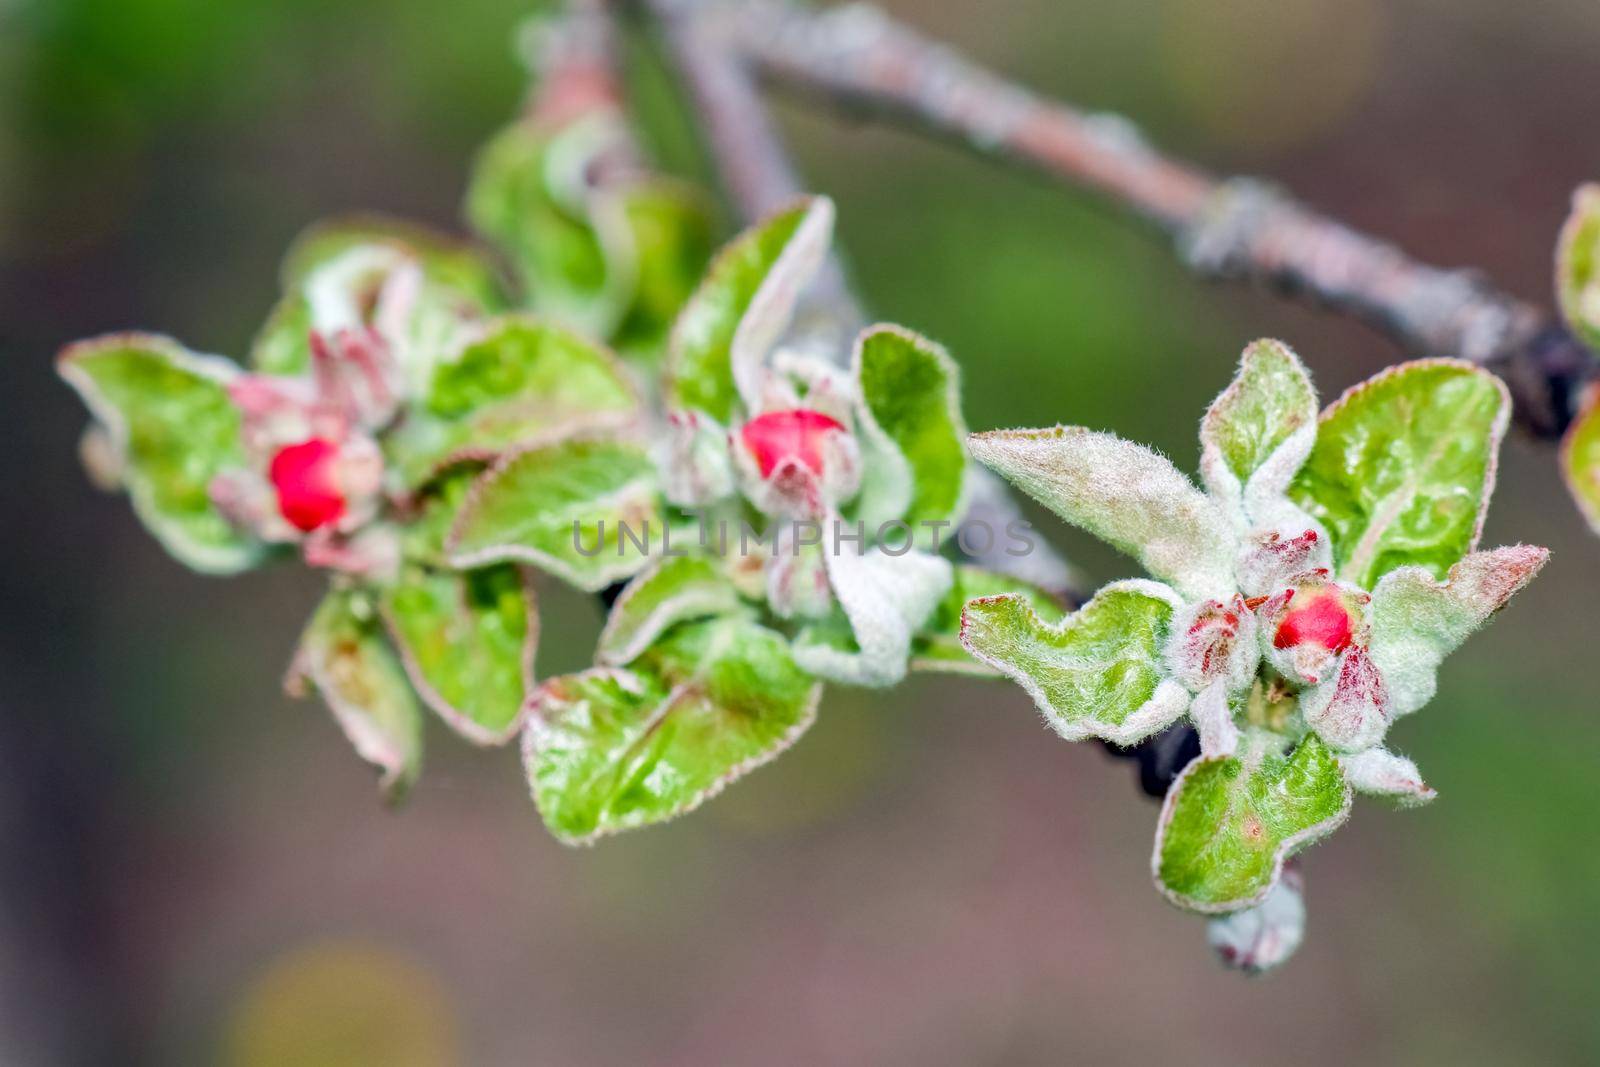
{"x": 169, "y": 420}
{"x": 1578, "y": 266}
{"x": 916, "y": 466}
{"x": 450, "y": 262}
{"x": 458, "y": 274}
{"x": 1124, "y": 494}
{"x": 283, "y": 345}
{"x": 612, "y": 749}
{"x": 742, "y": 306}
{"x": 670, "y": 228}
{"x": 1096, "y": 673}
{"x": 671, "y": 590}
{"x": 345, "y": 657}
{"x": 524, "y": 379}
{"x": 1580, "y": 457}
{"x": 434, "y": 513}
{"x": 512, "y": 202}
{"x": 563, "y": 507}
{"x": 1260, "y": 430}
{"x": 1417, "y": 620}
{"x": 1228, "y": 824}
{"x": 467, "y": 641}
{"x": 1403, "y": 467}
{"x": 937, "y": 646}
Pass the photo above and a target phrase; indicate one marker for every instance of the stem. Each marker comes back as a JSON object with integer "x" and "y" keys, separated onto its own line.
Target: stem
{"x": 751, "y": 162}
{"x": 759, "y": 178}
{"x": 856, "y": 58}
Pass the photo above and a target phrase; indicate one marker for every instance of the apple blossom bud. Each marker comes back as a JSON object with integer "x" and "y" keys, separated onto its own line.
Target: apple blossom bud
{"x": 306, "y": 478}
{"x": 1275, "y": 557}
{"x": 1258, "y": 939}
{"x": 797, "y": 435}
{"x": 696, "y": 469}
{"x": 1349, "y": 711}
{"x": 1212, "y": 640}
{"x": 797, "y": 462}
{"x": 1305, "y": 628}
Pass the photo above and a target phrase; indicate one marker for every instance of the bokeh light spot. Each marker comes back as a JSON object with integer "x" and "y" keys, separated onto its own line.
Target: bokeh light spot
{"x": 339, "y": 1003}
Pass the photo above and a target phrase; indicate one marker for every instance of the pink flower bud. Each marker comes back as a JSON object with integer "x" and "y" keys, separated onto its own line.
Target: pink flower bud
{"x": 1309, "y": 625}
{"x": 799, "y": 436}
{"x": 1273, "y": 558}
{"x": 306, "y": 477}
{"x": 1317, "y": 618}
{"x": 1213, "y": 640}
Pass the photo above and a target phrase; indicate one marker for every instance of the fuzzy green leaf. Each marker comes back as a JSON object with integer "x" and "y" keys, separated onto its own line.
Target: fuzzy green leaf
{"x": 1578, "y": 266}
{"x": 1228, "y": 824}
{"x": 457, "y": 273}
{"x": 670, "y": 227}
{"x": 742, "y": 306}
{"x": 1096, "y": 673}
{"x": 1417, "y": 620}
{"x": 523, "y": 379}
{"x": 344, "y": 656}
{"x": 671, "y": 590}
{"x": 1124, "y": 494}
{"x": 511, "y": 202}
{"x": 172, "y": 429}
{"x": 1580, "y": 457}
{"x": 448, "y": 261}
{"x": 611, "y": 749}
{"x": 467, "y": 641}
{"x": 1259, "y": 431}
{"x": 916, "y": 467}
{"x": 1403, "y": 467}
{"x": 283, "y": 344}
{"x": 526, "y": 508}
{"x": 937, "y": 646}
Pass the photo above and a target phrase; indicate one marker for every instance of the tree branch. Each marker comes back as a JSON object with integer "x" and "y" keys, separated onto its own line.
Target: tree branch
{"x": 858, "y": 59}
{"x": 759, "y": 179}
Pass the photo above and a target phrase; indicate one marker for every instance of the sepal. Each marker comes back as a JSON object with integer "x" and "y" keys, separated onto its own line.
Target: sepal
{"x": 885, "y": 598}
{"x": 694, "y": 460}
{"x": 1377, "y": 772}
{"x": 1350, "y": 710}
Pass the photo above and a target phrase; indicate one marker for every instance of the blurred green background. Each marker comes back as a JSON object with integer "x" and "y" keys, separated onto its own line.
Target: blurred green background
{"x": 197, "y": 870}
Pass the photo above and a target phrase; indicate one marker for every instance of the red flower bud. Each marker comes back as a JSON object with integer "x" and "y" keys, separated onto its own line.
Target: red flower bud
{"x": 306, "y": 477}
{"x": 797, "y": 435}
{"x": 1316, "y": 617}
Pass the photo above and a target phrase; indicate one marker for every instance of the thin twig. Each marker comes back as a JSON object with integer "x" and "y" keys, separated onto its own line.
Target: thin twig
{"x": 759, "y": 178}
{"x": 858, "y": 59}
{"x": 750, "y": 160}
